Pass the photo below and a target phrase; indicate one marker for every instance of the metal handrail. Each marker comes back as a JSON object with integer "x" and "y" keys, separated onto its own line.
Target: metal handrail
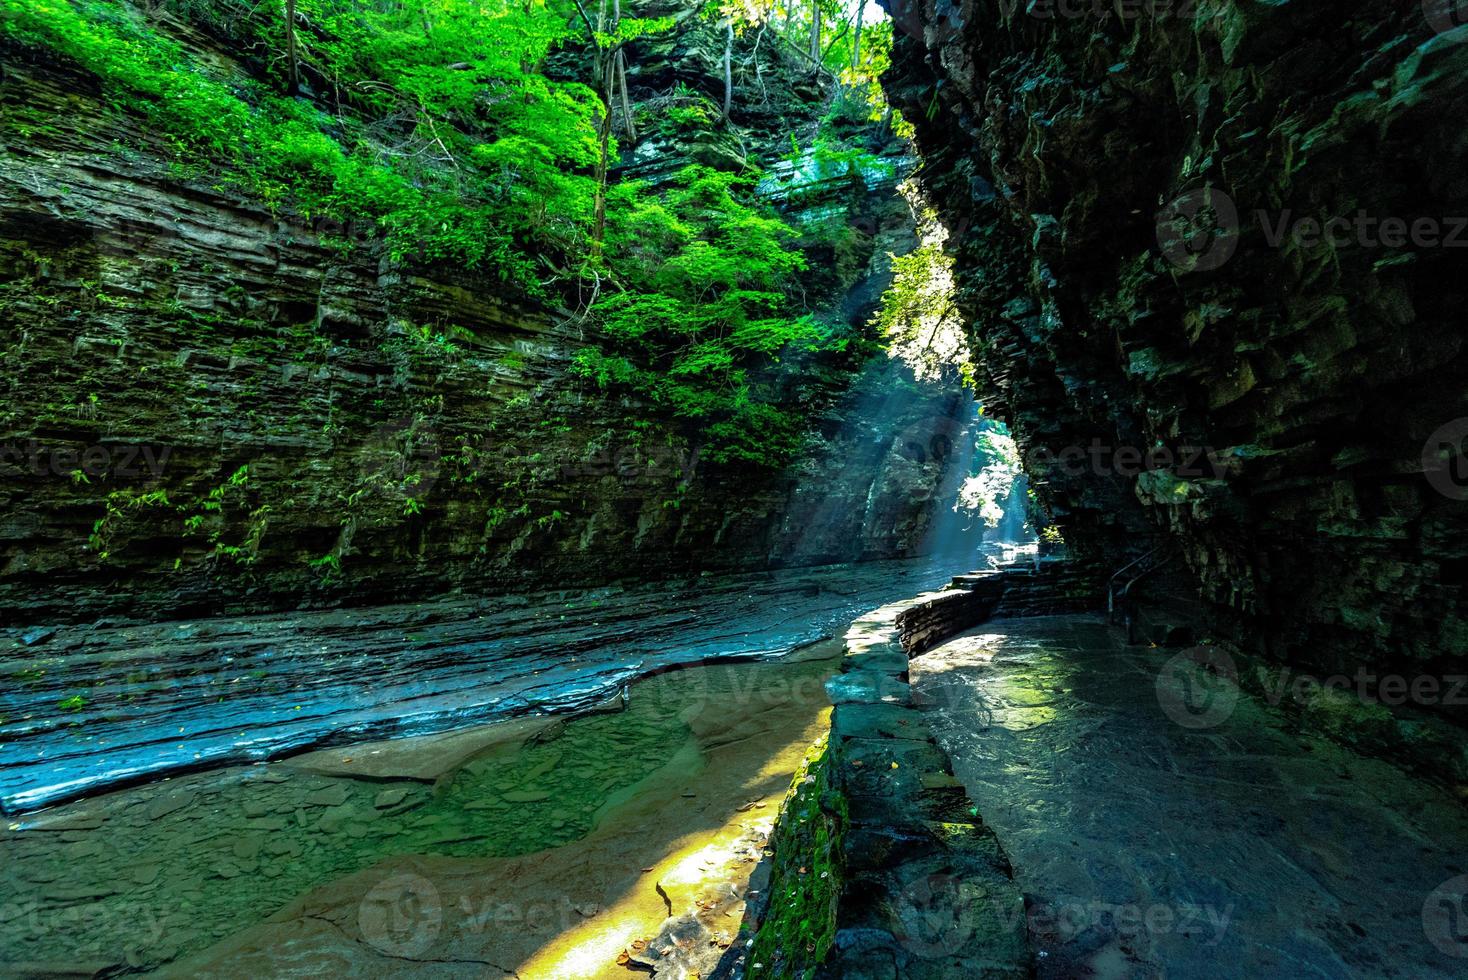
{"x": 1111, "y": 584}
{"x": 1112, "y": 592}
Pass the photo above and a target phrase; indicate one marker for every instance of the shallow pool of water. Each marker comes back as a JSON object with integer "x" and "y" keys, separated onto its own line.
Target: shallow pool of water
{"x": 147, "y": 875}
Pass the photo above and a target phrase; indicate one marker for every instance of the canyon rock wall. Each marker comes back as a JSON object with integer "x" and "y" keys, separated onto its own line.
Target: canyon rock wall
{"x": 1236, "y": 226}
{"x": 212, "y": 404}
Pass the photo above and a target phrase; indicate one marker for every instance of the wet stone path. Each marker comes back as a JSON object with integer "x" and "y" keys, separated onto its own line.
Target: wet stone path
{"x": 1163, "y": 824}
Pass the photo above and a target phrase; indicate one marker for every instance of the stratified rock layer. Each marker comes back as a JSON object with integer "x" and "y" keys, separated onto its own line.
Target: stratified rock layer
{"x": 1317, "y": 370}
{"x": 211, "y": 404}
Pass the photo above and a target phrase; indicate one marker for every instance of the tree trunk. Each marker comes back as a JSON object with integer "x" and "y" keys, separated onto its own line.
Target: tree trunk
{"x": 728, "y": 67}
{"x": 293, "y": 80}
{"x": 856, "y": 42}
{"x": 602, "y": 66}
{"x": 626, "y": 102}
{"x": 815, "y": 35}
{"x": 599, "y": 210}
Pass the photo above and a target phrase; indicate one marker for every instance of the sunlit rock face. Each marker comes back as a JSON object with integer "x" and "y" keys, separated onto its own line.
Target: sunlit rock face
{"x": 1305, "y": 325}
{"x": 212, "y": 405}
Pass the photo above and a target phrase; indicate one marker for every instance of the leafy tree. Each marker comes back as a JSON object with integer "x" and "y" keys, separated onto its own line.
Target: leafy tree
{"x": 706, "y": 310}
{"x": 439, "y": 125}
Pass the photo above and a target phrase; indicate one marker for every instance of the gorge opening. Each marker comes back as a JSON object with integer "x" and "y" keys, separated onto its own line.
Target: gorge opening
{"x": 727, "y": 490}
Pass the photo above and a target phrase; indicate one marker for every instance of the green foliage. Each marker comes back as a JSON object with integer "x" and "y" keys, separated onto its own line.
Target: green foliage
{"x": 120, "y": 503}
{"x": 806, "y": 879}
{"x": 706, "y": 312}
{"x": 699, "y": 114}
{"x": 983, "y": 495}
{"x": 437, "y": 128}
{"x": 511, "y": 146}
{"x": 920, "y": 295}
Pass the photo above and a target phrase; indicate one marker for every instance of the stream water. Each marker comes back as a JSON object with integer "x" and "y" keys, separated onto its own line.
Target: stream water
{"x": 546, "y": 740}
{"x": 543, "y": 843}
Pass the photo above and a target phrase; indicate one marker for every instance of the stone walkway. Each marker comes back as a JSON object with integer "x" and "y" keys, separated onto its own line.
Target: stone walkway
{"x": 1163, "y": 824}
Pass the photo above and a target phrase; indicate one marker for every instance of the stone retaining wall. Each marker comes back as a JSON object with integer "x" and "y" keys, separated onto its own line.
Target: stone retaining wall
{"x": 1048, "y": 588}
{"x": 925, "y": 889}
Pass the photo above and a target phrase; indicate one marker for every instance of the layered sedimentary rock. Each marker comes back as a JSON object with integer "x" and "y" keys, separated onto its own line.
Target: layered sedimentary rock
{"x": 1233, "y": 226}
{"x": 214, "y": 403}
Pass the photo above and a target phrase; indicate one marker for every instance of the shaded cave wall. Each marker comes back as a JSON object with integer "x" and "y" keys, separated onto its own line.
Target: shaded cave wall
{"x": 1065, "y": 152}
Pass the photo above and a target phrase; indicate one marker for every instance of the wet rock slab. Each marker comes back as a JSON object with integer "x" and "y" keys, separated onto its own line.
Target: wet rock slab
{"x": 173, "y": 697}
{"x": 1165, "y": 823}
